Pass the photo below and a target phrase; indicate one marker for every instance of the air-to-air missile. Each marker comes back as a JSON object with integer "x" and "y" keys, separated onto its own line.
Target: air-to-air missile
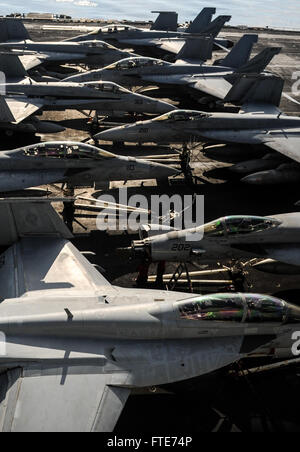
{"x": 288, "y": 173}
{"x": 267, "y": 162}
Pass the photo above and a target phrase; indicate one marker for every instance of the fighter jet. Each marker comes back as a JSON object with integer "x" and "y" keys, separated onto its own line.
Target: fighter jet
{"x": 126, "y": 34}
{"x": 134, "y": 70}
{"x": 78, "y": 164}
{"x": 107, "y": 98}
{"x": 276, "y": 237}
{"x": 174, "y": 44}
{"x": 259, "y": 121}
{"x": 73, "y": 346}
{"x": 215, "y": 81}
{"x": 91, "y": 52}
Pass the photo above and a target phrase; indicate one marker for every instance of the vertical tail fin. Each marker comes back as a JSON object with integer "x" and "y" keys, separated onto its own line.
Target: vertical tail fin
{"x": 166, "y": 21}
{"x": 12, "y": 66}
{"x": 12, "y": 30}
{"x": 259, "y": 63}
{"x": 266, "y": 89}
{"x": 200, "y": 48}
{"x": 216, "y": 26}
{"x": 202, "y": 21}
{"x": 241, "y": 52}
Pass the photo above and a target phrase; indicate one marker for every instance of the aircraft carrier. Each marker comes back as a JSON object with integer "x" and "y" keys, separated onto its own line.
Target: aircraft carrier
{"x": 235, "y": 399}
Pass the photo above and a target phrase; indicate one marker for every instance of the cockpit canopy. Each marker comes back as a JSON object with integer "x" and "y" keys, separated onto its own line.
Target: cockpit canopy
{"x": 95, "y": 44}
{"x": 107, "y": 87}
{"x": 183, "y": 115}
{"x": 239, "y": 225}
{"x": 140, "y": 62}
{"x": 243, "y": 308}
{"x": 66, "y": 150}
{"x": 115, "y": 28}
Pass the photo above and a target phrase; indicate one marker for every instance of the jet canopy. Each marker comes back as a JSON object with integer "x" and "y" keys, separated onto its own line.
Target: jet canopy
{"x": 95, "y": 44}
{"x": 183, "y": 115}
{"x": 65, "y": 150}
{"x": 140, "y": 62}
{"x": 113, "y": 28}
{"x": 243, "y": 308}
{"x": 239, "y": 225}
{"x": 108, "y": 87}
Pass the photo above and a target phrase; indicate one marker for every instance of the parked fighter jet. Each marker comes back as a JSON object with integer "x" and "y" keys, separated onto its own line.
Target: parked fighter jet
{"x": 259, "y": 122}
{"x": 91, "y": 52}
{"x": 131, "y": 71}
{"x": 78, "y": 164}
{"x": 174, "y": 44}
{"x": 134, "y": 36}
{"x": 213, "y": 80}
{"x": 276, "y": 237}
{"x": 107, "y": 98}
{"x": 73, "y": 346}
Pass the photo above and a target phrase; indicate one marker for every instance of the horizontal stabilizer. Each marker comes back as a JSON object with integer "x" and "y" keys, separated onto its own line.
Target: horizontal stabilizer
{"x": 57, "y": 400}
{"x": 166, "y": 21}
{"x": 241, "y": 52}
{"x": 266, "y": 89}
{"x": 202, "y": 21}
{"x": 197, "y": 48}
{"x": 20, "y": 108}
{"x": 259, "y": 63}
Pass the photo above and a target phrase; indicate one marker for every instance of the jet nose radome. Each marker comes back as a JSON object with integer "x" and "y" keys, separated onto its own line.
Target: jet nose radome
{"x": 116, "y": 134}
{"x": 153, "y": 170}
{"x": 158, "y": 106}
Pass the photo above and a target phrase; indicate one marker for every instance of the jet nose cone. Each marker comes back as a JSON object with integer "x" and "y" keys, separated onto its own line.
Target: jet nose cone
{"x": 254, "y": 179}
{"x": 115, "y": 134}
{"x": 162, "y": 107}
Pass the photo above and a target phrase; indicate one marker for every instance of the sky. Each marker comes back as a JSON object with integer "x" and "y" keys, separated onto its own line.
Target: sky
{"x": 245, "y": 12}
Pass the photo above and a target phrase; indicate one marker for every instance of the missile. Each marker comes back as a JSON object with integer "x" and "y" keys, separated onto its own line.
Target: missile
{"x": 284, "y": 174}
{"x": 276, "y": 268}
{"x": 232, "y": 151}
{"x": 268, "y": 162}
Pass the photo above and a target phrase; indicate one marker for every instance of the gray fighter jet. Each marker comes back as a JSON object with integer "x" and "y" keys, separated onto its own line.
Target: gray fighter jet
{"x": 215, "y": 81}
{"x": 173, "y": 44}
{"x": 134, "y": 70}
{"x": 15, "y": 37}
{"x": 78, "y": 164}
{"x": 107, "y": 98}
{"x": 276, "y": 237}
{"x": 259, "y": 121}
{"x": 73, "y": 346}
{"x": 134, "y": 36}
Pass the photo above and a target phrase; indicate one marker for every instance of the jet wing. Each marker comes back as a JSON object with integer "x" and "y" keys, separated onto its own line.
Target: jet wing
{"x": 32, "y": 61}
{"x": 171, "y": 45}
{"x": 19, "y": 108}
{"x": 32, "y": 401}
{"x": 213, "y": 86}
